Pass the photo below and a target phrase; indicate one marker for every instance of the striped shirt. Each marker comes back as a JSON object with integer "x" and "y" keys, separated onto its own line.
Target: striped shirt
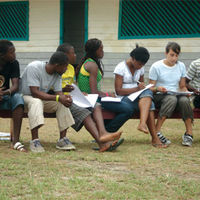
{"x": 193, "y": 74}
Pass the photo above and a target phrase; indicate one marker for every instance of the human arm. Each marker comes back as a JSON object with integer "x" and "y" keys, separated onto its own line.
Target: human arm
{"x": 68, "y": 88}
{"x": 66, "y": 100}
{"x": 182, "y": 85}
{"x": 157, "y": 89}
{"x": 92, "y": 68}
{"x": 125, "y": 91}
{"x": 190, "y": 88}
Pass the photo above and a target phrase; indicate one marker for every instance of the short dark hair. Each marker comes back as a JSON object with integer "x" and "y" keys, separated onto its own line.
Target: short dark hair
{"x": 140, "y": 54}
{"x": 4, "y": 46}
{"x": 59, "y": 58}
{"x": 65, "y": 47}
{"x": 173, "y": 46}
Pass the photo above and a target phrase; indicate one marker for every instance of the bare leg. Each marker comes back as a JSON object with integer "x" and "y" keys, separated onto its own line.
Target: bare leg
{"x": 90, "y": 125}
{"x": 152, "y": 129}
{"x": 63, "y": 133}
{"x": 188, "y": 125}
{"x": 34, "y": 133}
{"x": 159, "y": 123}
{"x": 144, "y": 106}
{"x": 17, "y": 116}
{"x": 103, "y": 134}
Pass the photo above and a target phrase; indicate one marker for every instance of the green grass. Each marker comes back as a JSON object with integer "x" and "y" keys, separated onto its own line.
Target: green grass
{"x": 135, "y": 171}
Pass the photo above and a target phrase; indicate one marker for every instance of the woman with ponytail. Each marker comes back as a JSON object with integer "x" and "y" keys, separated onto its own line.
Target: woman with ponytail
{"x": 129, "y": 78}
{"x": 89, "y": 74}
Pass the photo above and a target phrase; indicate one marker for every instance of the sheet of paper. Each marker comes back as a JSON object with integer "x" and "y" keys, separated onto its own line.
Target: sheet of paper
{"x": 82, "y": 100}
{"x": 179, "y": 93}
{"x": 92, "y": 98}
{"x": 134, "y": 95}
{"x": 111, "y": 99}
{"x": 4, "y": 136}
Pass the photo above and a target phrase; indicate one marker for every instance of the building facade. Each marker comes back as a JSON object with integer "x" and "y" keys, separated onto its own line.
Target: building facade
{"x": 37, "y": 27}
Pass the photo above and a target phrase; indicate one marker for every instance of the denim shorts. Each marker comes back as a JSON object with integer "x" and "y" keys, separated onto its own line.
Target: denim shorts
{"x": 146, "y": 93}
{"x": 11, "y": 102}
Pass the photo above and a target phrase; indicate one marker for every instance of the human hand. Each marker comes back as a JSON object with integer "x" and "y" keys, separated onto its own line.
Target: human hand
{"x": 68, "y": 88}
{"x": 141, "y": 85}
{"x": 161, "y": 89}
{"x": 85, "y": 94}
{"x": 66, "y": 100}
{"x": 111, "y": 94}
{"x": 197, "y": 91}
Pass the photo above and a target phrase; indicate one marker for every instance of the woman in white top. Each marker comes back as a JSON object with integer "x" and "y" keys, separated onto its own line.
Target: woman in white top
{"x": 129, "y": 78}
{"x": 168, "y": 75}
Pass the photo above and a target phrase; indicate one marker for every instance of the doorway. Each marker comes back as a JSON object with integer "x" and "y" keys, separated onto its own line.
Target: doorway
{"x": 75, "y": 30}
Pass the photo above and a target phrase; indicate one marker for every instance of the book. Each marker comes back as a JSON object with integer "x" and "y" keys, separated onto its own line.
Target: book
{"x": 81, "y": 100}
{"x": 110, "y": 99}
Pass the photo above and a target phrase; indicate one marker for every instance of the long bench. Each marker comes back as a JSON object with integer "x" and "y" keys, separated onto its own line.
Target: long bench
{"x": 106, "y": 114}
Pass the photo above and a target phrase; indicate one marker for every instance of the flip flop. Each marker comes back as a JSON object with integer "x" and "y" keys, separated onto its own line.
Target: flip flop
{"x": 113, "y": 146}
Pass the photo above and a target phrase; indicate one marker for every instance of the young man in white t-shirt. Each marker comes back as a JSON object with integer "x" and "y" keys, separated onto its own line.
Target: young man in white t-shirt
{"x": 38, "y": 78}
{"x": 169, "y": 75}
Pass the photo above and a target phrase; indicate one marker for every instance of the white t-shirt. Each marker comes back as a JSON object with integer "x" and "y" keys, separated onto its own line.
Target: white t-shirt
{"x": 168, "y": 77}
{"x": 129, "y": 80}
{"x": 35, "y": 75}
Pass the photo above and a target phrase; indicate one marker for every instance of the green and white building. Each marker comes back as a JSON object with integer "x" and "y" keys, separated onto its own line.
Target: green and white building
{"x": 37, "y": 27}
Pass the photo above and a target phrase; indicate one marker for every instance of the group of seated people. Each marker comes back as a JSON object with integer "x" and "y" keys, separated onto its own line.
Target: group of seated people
{"x": 46, "y": 86}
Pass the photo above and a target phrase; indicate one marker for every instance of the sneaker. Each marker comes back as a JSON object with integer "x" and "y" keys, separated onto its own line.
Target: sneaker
{"x": 65, "y": 144}
{"x": 35, "y": 146}
{"x": 163, "y": 139}
{"x": 187, "y": 140}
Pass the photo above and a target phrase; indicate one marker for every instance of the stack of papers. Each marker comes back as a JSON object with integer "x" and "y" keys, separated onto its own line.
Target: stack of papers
{"x": 81, "y": 100}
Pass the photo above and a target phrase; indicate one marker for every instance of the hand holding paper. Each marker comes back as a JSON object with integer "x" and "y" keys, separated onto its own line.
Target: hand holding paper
{"x": 134, "y": 95}
{"x": 81, "y": 100}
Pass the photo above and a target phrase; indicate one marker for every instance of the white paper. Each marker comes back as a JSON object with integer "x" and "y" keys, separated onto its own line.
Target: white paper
{"x": 81, "y": 100}
{"x": 3, "y": 134}
{"x": 179, "y": 93}
{"x": 134, "y": 95}
{"x": 110, "y": 99}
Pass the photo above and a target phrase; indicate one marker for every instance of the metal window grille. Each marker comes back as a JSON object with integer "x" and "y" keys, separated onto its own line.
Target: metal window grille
{"x": 159, "y": 18}
{"x": 14, "y": 20}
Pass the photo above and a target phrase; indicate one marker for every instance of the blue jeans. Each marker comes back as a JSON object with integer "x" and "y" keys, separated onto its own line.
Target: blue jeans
{"x": 11, "y": 102}
{"x": 123, "y": 113}
{"x": 134, "y": 104}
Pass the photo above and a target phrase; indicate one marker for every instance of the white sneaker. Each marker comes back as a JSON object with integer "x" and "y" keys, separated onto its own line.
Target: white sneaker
{"x": 163, "y": 139}
{"x": 187, "y": 140}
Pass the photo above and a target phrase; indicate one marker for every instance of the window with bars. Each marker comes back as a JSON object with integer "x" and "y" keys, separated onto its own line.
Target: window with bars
{"x": 159, "y": 19}
{"x": 14, "y": 20}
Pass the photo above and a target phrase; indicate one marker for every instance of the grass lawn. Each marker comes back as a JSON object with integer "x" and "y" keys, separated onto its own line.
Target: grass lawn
{"x": 135, "y": 171}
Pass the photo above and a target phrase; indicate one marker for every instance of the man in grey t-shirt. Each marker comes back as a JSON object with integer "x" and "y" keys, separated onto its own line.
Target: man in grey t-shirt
{"x": 37, "y": 79}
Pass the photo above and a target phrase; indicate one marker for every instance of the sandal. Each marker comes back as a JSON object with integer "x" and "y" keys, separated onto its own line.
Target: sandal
{"x": 19, "y": 147}
{"x": 113, "y": 146}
